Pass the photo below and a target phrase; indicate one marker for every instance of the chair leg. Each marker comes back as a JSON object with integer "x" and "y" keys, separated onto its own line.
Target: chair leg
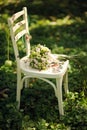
{"x": 59, "y": 95}
{"x": 26, "y": 83}
{"x": 18, "y": 96}
{"x": 66, "y": 83}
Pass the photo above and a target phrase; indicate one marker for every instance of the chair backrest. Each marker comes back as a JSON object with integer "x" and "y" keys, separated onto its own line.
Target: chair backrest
{"x": 18, "y": 25}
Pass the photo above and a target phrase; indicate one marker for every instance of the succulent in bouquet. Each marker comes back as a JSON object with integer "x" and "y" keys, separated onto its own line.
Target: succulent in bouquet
{"x": 40, "y": 57}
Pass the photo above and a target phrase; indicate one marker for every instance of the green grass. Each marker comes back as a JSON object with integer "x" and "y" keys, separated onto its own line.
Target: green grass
{"x": 39, "y": 110}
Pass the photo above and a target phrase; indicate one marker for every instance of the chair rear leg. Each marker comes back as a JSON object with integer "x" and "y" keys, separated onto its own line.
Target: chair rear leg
{"x": 27, "y": 83}
{"x": 66, "y": 83}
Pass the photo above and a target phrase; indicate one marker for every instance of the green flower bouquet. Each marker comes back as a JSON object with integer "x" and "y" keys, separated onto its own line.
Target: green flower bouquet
{"x": 40, "y": 57}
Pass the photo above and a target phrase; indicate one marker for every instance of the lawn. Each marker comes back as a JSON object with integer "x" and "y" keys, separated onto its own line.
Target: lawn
{"x": 64, "y": 33}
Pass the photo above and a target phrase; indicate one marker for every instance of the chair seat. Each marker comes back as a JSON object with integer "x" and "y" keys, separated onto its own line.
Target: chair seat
{"x": 51, "y": 72}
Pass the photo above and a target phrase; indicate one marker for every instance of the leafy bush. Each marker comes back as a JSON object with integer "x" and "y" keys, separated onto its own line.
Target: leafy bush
{"x": 76, "y": 111}
{"x": 10, "y": 117}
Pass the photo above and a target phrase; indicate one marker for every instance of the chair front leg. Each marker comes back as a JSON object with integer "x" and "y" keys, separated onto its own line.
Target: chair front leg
{"x": 59, "y": 95}
{"x": 19, "y": 86}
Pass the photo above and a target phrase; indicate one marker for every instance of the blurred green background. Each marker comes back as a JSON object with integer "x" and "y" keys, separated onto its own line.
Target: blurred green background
{"x": 62, "y": 26}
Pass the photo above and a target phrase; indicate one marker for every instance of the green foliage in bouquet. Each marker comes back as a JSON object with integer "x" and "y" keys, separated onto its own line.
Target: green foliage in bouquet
{"x": 40, "y": 57}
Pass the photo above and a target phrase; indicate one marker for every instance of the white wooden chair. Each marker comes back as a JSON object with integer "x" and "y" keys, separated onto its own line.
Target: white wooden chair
{"x": 24, "y": 71}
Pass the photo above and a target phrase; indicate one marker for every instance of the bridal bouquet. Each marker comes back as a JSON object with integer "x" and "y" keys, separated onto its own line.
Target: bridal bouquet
{"x": 40, "y": 57}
